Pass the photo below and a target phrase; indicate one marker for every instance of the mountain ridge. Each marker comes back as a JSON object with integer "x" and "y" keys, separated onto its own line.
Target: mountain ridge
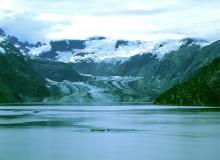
{"x": 77, "y": 71}
{"x": 201, "y": 89}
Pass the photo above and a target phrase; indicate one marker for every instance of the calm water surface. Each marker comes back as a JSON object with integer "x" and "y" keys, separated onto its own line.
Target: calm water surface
{"x": 109, "y": 133}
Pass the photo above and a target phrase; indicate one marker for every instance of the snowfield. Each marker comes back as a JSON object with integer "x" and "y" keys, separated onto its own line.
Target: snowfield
{"x": 36, "y": 51}
{"x": 101, "y": 49}
{"x": 108, "y": 50}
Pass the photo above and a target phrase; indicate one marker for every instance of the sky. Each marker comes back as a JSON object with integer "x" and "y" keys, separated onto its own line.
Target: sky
{"x": 150, "y": 20}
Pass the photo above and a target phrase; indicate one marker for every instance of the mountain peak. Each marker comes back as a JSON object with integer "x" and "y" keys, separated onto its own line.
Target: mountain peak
{"x": 196, "y": 41}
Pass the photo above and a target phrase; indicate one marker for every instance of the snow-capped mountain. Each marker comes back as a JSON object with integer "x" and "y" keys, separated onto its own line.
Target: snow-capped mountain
{"x": 101, "y": 49}
{"x": 98, "y": 49}
{"x": 120, "y": 70}
{"x": 23, "y": 47}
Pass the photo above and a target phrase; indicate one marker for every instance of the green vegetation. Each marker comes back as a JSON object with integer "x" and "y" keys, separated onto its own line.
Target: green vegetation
{"x": 56, "y": 71}
{"x": 18, "y": 82}
{"x": 202, "y": 89}
{"x": 158, "y": 74}
{"x": 140, "y": 79}
{"x": 23, "y": 79}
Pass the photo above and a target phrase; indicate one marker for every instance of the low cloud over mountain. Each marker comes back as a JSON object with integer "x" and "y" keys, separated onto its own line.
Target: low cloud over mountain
{"x": 147, "y": 20}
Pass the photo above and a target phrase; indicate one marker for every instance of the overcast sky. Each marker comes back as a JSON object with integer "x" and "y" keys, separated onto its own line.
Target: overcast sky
{"x": 151, "y": 20}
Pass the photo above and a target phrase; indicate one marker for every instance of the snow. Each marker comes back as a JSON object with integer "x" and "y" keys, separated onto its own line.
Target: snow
{"x": 2, "y": 39}
{"x": 199, "y": 42}
{"x": 117, "y": 78}
{"x": 163, "y": 48}
{"x": 51, "y": 81}
{"x": 2, "y": 50}
{"x": 104, "y": 50}
{"x": 116, "y": 60}
{"x": 202, "y": 43}
{"x": 17, "y": 46}
{"x": 64, "y": 56}
{"x": 67, "y": 42}
{"x": 38, "y": 50}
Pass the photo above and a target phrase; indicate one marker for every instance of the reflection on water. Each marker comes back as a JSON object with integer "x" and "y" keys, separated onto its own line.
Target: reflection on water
{"x": 109, "y": 133}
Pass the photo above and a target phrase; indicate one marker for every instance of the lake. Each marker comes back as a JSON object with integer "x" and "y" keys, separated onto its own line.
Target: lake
{"x": 138, "y": 132}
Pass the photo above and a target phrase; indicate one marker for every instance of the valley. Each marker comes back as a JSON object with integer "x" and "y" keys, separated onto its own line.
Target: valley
{"x": 99, "y": 69}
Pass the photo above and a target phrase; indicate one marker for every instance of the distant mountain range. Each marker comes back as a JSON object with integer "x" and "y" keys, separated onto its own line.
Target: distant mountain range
{"x": 98, "y": 69}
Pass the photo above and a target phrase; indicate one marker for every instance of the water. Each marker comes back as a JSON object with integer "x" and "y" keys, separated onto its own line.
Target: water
{"x": 109, "y": 133}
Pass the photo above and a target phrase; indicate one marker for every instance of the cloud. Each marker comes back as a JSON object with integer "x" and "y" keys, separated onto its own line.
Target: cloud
{"x": 150, "y": 20}
{"x": 25, "y": 27}
{"x": 131, "y": 12}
